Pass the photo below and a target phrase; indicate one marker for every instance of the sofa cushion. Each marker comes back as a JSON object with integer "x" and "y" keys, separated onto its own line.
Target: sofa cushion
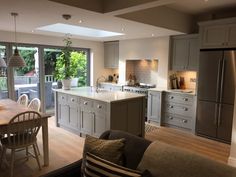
{"x": 111, "y": 150}
{"x": 167, "y": 161}
{"x": 96, "y": 166}
{"x": 134, "y": 146}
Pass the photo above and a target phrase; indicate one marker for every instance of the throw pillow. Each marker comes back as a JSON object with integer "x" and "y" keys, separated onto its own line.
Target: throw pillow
{"x": 111, "y": 150}
{"x": 98, "y": 167}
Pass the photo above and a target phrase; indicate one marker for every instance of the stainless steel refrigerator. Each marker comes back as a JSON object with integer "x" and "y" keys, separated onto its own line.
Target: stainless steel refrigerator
{"x": 216, "y": 91}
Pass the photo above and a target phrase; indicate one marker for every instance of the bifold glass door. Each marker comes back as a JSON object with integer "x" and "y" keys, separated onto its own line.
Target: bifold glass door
{"x": 3, "y": 74}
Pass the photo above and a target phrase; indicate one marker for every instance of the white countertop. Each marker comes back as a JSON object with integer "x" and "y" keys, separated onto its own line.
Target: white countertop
{"x": 106, "y": 96}
{"x": 111, "y": 83}
{"x": 180, "y": 91}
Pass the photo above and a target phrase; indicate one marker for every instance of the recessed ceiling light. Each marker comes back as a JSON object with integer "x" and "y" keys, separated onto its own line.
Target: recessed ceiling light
{"x": 32, "y": 31}
{"x": 153, "y": 35}
{"x": 78, "y": 30}
{"x": 80, "y": 21}
{"x": 122, "y": 29}
{"x": 206, "y": 0}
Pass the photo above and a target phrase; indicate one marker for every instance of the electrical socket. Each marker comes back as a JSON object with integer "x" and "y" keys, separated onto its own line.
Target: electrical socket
{"x": 192, "y": 79}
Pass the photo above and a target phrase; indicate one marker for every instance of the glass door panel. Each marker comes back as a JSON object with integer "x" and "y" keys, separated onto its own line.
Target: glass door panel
{"x": 50, "y": 57}
{"x": 3, "y": 77}
{"x": 26, "y": 79}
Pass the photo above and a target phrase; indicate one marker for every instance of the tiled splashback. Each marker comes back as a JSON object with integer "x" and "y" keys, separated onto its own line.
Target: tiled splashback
{"x": 190, "y": 78}
{"x": 146, "y": 71}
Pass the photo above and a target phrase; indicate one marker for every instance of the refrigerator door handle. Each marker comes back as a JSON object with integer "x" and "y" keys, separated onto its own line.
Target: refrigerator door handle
{"x": 219, "y": 75}
{"x": 219, "y": 116}
{"x": 222, "y": 80}
{"x": 216, "y": 111}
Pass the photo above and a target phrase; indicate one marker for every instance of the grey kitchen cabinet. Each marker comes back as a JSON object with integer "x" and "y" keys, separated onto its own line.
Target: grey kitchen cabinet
{"x": 179, "y": 110}
{"x": 185, "y": 52}
{"x": 154, "y": 107}
{"x": 111, "y": 54}
{"x": 85, "y": 115}
{"x": 218, "y": 34}
{"x": 68, "y": 112}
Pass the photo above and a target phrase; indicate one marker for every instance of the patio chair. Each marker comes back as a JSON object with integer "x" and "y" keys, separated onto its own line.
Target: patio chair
{"x": 21, "y": 133}
{"x": 23, "y": 100}
{"x": 35, "y": 104}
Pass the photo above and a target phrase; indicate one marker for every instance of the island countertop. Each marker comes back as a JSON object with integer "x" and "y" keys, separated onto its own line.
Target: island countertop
{"x": 102, "y": 95}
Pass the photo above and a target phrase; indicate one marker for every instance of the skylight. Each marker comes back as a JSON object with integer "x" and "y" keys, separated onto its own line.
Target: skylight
{"x": 78, "y": 30}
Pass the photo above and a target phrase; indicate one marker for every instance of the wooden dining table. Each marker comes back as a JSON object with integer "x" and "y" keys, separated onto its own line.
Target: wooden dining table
{"x": 9, "y": 108}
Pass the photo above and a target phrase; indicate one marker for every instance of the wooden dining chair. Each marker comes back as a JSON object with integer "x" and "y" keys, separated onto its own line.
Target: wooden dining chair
{"x": 23, "y": 100}
{"x": 21, "y": 133}
{"x": 35, "y": 104}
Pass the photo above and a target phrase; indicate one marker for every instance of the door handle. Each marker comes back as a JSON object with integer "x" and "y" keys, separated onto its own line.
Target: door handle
{"x": 218, "y": 79}
{"x": 222, "y": 80}
{"x": 215, "y": 118}
{"x": 219, "y": 116}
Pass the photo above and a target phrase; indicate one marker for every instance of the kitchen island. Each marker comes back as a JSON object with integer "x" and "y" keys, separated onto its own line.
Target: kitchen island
{"x": 85, "y": 111}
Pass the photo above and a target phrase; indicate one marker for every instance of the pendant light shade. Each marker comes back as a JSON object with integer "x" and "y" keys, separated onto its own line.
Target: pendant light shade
{"x": 16, "y": 60}
{"x": 2, "y": 63}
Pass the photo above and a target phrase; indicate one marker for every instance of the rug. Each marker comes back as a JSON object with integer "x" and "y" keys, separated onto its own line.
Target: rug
{"x": 150, "y": 127}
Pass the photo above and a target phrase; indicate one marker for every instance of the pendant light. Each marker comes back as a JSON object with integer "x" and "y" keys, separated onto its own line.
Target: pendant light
{"x": 16, "y": 60}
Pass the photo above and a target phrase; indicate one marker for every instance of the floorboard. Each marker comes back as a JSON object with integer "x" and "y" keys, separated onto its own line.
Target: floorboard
{"x": 66, "y": 147}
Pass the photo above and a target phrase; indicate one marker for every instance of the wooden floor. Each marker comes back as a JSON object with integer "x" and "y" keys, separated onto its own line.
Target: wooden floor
{"x": 66, "y": 147}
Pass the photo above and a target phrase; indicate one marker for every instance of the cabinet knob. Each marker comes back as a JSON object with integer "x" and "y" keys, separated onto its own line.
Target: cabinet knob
{"x": 171, "y": 97}
{"x": 85, "y": 103}
{"x": 171, "y": 106}
{"x": 185, "y": 109}
{"x": 62, "y": 97}
{"x": 99, "y": 106}
{"x": 72, "y": 99}
{"x": 184, "y": 121}
{"x": 170, "y": 117}
{"x": 185, "y": 99}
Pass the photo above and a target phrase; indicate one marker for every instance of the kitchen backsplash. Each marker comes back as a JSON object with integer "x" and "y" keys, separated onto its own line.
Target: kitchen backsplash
{"x": 144, "y": 70}
{"x": 190, "y": 78}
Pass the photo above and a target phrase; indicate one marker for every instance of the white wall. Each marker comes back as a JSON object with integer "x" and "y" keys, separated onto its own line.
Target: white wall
{"x": 97, "y": 49}
{"x": 150, "y": 48}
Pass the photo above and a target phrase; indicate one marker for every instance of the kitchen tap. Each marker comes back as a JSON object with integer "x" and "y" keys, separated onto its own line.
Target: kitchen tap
{"x": 97, "y": 82}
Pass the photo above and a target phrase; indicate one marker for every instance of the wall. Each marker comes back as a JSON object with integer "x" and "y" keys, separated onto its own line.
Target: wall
{"x": 97, "y": 49}
{"x": 150, "y": 48}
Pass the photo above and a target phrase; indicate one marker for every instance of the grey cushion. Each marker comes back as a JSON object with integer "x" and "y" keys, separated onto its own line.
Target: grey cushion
{"x": 168, "y": 161}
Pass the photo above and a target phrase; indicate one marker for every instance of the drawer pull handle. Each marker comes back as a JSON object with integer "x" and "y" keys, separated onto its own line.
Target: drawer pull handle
{"x": 171, "y": 106}
{"x": 170, "y": 117}
{"x": 85, "y": 103}
{"x": 171, "y": 97}
{"x": 185, "y": 109}
{"x": 184, "y": 121}
{"x": 185, "y": 99}
{"x": 99, "y": 106}
{"x": 72, "y": 99}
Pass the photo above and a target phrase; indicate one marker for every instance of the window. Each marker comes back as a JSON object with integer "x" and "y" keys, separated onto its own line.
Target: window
{"x": 3, "y": 78}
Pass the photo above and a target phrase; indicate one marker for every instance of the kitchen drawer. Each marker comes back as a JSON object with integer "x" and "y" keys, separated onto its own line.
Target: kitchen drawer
{"x": 86, "y": 104}
{"x": 180, "y": 109}
{"x": 62, "y": 98}
{"x": 174, "y": 120}
{"x": 99, "y": 106}
{"x": 179, "y": 98}
{"x": 73, "y": 100}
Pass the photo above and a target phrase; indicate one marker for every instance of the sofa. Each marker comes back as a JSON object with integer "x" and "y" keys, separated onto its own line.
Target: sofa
{"x": 160, "y": 159}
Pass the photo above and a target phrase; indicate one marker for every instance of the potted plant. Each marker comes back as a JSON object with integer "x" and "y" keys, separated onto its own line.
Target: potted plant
{"x": 63, "y": 69}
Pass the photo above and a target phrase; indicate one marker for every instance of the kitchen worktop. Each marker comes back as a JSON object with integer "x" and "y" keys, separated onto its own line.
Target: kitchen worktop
{"x": 101, "y": 95}
{"x": 112, "y": 83}
{"x": 180, "y": 91}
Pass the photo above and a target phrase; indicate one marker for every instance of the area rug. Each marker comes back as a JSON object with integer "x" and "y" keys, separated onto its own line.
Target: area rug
{"x": 150, "y": 127}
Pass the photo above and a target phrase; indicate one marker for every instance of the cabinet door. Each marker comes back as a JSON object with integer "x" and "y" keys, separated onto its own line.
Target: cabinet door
{"x": 214, "y": 36}
{"x": 225, "y": 121}
{"x": 231, "y": 36}
{"x": 180, "y": 54}
{"x": 111, "y": 54}
{"x": 74, "y": 118}
{"x": 193, "y": 54}
{"x": 64, "y": 113}
{"x": 86, "y": 121}
{"x": 99, "y": 124}
{"x": 206, "y": 118}
{"x": 154, "y": 106}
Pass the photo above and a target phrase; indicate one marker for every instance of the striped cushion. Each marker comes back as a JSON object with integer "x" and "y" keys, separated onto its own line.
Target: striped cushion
{"x": 98, "y": 167}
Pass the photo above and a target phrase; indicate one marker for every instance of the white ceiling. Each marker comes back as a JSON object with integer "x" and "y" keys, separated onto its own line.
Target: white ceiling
{"x": 37, "y": 13}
